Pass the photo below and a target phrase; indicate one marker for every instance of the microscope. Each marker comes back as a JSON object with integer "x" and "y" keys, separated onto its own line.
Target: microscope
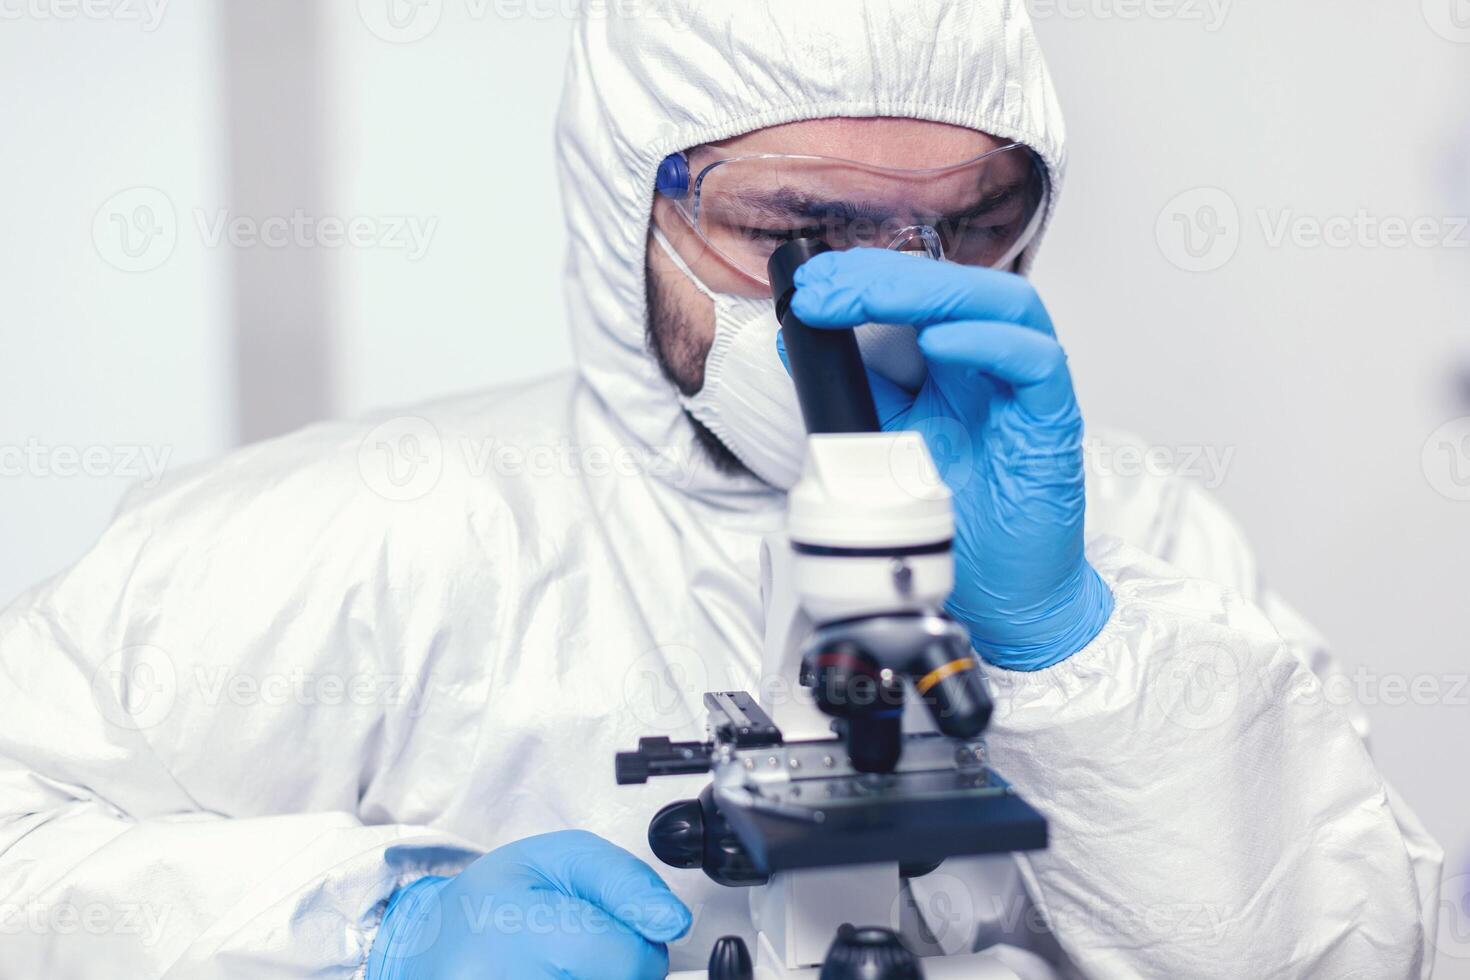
{"x": 862, "y": 763}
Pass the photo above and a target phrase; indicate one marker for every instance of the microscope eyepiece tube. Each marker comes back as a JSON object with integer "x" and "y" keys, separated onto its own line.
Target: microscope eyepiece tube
{"x": 826, "y": 365}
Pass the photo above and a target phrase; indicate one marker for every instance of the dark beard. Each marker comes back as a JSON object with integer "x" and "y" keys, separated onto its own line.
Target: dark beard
{"x": 681, "y": 360}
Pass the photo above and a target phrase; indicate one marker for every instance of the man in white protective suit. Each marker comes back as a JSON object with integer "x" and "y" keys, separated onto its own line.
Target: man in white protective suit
{"x": 344, "y": 704}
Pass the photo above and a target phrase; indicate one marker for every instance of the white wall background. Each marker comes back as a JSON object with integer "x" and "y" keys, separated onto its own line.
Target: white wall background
{"x": 103, "y": 117}
{"x": 1324, "y": 371}
{"x": 453, "y": 130}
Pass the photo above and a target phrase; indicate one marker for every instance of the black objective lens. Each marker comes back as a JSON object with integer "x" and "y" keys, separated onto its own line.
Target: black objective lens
{"x": 868, "y": 700}
{"x": 948, "y": 681}
{"x": 875, "y": 739}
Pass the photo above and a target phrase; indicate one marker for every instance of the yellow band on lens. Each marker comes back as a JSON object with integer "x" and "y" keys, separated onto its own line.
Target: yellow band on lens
{"x": 940, "y": 673}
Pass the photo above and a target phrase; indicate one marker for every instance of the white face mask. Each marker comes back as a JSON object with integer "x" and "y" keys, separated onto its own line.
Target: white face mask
{"x": 748, "y": 400}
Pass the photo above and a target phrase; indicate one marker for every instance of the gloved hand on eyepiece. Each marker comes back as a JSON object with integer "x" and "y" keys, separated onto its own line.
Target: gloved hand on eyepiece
{"x": 1001, "y": 420}
{"x": 560, "y": 905}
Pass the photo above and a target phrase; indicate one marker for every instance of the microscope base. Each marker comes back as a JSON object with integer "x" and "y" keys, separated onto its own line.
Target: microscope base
{"x": 972, "y": 966}
{"x": 798, "y": 914}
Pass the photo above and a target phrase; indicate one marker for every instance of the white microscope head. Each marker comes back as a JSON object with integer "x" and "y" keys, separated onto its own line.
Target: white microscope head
{"x": 870, "y": 524}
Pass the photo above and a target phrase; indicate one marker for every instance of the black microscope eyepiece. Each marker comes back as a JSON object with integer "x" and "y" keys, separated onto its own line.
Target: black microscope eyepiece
{"x": 826, "y": 365}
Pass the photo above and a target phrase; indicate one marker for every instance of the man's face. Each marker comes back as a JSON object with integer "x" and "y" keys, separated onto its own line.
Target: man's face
{"x": 681, "y": 324}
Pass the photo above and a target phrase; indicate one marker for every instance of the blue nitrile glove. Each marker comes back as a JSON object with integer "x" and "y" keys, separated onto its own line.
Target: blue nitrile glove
{"x": 1001, "y": 420}
{"x": 567, "y": 905}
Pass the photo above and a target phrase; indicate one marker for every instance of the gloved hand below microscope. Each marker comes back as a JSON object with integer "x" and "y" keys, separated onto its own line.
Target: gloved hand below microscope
{"x": 864, "y": 762}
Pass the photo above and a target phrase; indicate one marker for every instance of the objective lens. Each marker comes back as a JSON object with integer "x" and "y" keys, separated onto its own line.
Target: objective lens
{"x": 851, "y": 687}
{"x": 948, "y": 681}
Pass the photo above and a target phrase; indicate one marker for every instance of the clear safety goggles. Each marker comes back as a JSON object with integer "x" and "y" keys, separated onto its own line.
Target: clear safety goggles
{"x": 982, "y": 212}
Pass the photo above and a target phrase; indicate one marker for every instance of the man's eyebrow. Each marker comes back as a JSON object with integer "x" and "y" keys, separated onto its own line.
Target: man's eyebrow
{"x": 788, "y": 203}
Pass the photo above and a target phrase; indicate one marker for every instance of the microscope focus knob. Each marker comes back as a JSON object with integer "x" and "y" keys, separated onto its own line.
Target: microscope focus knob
{"x": 730, "y": 960}
{"x": 869, "y": 953}
{"x": 676, "y": 834}
{"x": 694, "y": 834}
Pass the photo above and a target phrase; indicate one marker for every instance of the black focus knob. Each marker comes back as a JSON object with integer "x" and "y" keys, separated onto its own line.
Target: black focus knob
{"x": 730, "y": 960}
{"x": 694, "y": 834}
{"x": 869, "y": 953}
{"x": 630, "y": 768}
{"x": 676, "y": 834}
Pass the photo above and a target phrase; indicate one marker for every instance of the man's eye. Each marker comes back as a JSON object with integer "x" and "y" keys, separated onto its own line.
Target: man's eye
{"x": 995, "y": 223}
{"x": 990, "y": 230}
{"x": 779, "y": 234}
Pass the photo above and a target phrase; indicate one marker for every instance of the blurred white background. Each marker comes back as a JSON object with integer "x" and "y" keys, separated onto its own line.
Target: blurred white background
{"x": 1211, "y": 139}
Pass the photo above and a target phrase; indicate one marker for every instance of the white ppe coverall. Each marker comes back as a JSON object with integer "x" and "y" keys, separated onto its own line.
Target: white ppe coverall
{"x": 281, "y": 685}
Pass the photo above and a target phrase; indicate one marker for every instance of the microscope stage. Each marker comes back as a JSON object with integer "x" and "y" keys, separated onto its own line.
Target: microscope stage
{"x": 908, "y": 817}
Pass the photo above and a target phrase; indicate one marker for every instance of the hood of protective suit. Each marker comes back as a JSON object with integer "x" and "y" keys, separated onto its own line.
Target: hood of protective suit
{"x": 646, "y": 79}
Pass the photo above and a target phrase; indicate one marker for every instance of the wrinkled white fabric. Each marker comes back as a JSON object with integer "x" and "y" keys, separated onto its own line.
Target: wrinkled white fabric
{"x": 280, "y": 685}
